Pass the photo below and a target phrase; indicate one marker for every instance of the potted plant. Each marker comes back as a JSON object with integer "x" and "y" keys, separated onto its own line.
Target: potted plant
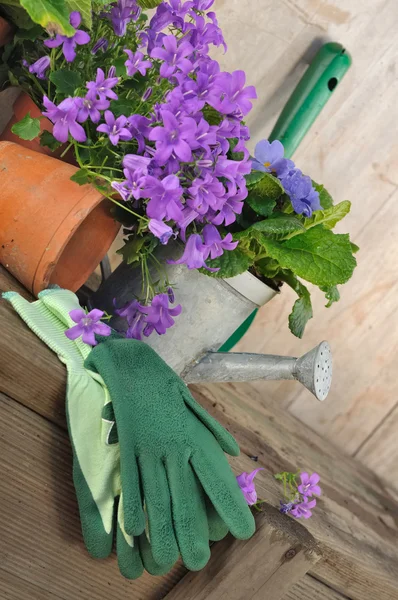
{"x": 158, "y": 129}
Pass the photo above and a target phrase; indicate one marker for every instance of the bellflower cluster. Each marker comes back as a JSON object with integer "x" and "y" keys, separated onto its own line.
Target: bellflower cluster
{"x": 269, "y": 158}
{"x": 299, "y": 500}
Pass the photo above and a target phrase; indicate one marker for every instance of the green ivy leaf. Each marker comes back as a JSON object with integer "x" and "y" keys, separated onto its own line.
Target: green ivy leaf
{"x": 279, "y": 227}
{"x": 66, "y": 81}
{"x": 325, "y": 198}
{"x": 82, "y": 176}
{"x": 47, "y": 140}
{"x": 329, "y": 217}
{"x": 51, "y": 14}
{"x": 302, "y": 308}
{"x": 332, "y": 295}
{"x": 27, "y": 129}
{"x": 253, "y": 178}
{"x": 318, "y": 255}
{"x": 231, "y": 263}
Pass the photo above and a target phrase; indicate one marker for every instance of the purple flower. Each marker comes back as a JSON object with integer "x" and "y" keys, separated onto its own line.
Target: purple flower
{"x": 195, "y": 254}
{"x": 215, "y": 245}
{"x": 268, "y": 157}
{"x": 205, "y": 192}
{"x": 135, "y": 314}
{"x": 69, "y": 43}
{"x": 103, "y": 86}
{"x": 228, "y": 212}
{"x": 174, "y": 137}
{"x": 64, "y": 117}
{"x": 246, "y": 484}
{"x": 308, "y": 485}
{"x": 303, "y": 509}
{"x": 173, "y": 56}
{"x": 165, "y": 198}
{"x": 303, "y": 197}
{"x": 135, "y": 63}
{"x": 122, "y": 12}
{"x": 90, "y": 106}
{"x": 101, "y": 44}
{"x": 147, "y": 94}
{"x": 160, "y": 230}
{"x": 234, "y": 96}
{"x": 134, "y": 162}
{"x": 160, "y": 315}
{"x": 40, "y": 67}
{"x": 285, "y": 507}
{"x": 132, "y": 186}
{"x": 87, "y": 326}
{"x": 115, "y": 128}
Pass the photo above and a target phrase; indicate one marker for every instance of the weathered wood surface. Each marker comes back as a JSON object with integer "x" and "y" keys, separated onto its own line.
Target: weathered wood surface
{"x": 266, "y": 566}
{"x": 356, "y": 521}
{"x": 352, "y": 148}
{"x": 312, "y": 589}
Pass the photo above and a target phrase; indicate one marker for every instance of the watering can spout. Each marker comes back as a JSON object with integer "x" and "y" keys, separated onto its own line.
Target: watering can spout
{"x": 313, "y": 370}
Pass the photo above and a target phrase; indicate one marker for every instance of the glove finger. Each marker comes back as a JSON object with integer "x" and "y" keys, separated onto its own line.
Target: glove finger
{"x": 97, "y": 535}
{"x": 189, "y": 513}
{"x": 223, "y": 437}
{"x": 219, "y": 483}
{"x": 127, "y": 549}
{"x": 158, "y": 505}
{"x": 217, "y": 528}
{"x": 134, "y": 518}
{"x": 148, "y": 560}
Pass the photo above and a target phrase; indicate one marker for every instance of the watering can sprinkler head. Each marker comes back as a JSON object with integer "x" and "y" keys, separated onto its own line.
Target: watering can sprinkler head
{"x": 313, "y": 370}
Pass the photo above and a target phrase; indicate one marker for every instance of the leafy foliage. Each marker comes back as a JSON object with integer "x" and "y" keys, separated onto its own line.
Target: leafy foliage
{"x": 82, "y": 176}
{"x": 325, "y": 198}
{"x": 230, "y": 263}
{"x": 47, "y": 140}
{"x": 279, "y": 227}
{"x": 27, "y": 129}
{"x": 332, "y": 295}
{"x": 328, "y": 217}
{"x": 302, "y": 308}
{"x": 66, "y": 81}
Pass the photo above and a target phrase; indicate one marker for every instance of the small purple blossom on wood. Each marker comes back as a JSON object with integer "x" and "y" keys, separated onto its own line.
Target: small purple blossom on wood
{"x": 309, "y": 484}
{"x": 246, "y": 484}
{"x": 87, "y": 326}
{"x": 69, "y": 43}
{"x": 303, "y": 510}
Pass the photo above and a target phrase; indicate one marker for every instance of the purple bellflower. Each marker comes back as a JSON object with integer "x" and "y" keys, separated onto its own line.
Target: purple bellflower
{"x": 174, "y": 136}
{"x": 80, "y": 38}
{"x": 101, "y": 44}
{"x": 195, "y": 254}
{"x": 90, "y": 106}
{"x": 102, "y": 86}
{"x": 309, "y": 484}
{"x": 165, "y": 198}
{"x": 87, "y": 326}
{"x": 160, "y": 315}
{"x": 135, "y": 314}
{"x": 173, "y": 55}
{"x": 122, "y": 13}
{"x": 132, "y": 187}
{"x": 246, "y": 484}
{"x": 303, "y": 510}
{"x": 234, "y": 97}
{"x": 214, "y": 244}
{"x": 206, "y": 192}
{"x": 135, "y": 63}
{"x": 115, "y": 128}
{"x": 64, "y": 118}
{"x": 40, "y": 67}
{"x": 160, "y": 230}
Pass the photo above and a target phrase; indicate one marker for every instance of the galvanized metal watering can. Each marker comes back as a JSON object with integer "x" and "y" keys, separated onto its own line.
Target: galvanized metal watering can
{"x": 212, "y": 311}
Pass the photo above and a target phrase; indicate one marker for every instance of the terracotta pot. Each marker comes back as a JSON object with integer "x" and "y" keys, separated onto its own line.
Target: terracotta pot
{"x": 52, "y": 230}
{"x": 22, "y": 106}
{"x": 6, "y": 32}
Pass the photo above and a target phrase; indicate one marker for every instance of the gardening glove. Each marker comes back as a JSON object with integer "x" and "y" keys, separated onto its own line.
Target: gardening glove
{"x": 171, "y": 455}
{"x": 96, "y": 464}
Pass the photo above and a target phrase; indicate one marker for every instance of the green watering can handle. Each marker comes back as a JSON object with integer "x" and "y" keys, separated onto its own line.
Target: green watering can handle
{"x": 303, "y": 107}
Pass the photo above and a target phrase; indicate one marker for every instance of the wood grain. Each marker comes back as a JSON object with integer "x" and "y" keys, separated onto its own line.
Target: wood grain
{"x": 312, "y": 589}
{"x": 266, "y": 566}
{"x": 40, "y": 537}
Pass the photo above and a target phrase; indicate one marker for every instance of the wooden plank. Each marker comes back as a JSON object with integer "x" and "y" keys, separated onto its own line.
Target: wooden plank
{"x": 355, "y": 520}
{"x": 312, "y": 589}
{"x": 15, "y": 588}
{"x": 266, "y": 566}
{"x": 40, "y": 537}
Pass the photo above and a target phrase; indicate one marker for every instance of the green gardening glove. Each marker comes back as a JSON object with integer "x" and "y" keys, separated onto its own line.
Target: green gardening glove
{"x": 171, "y": 454}
{"x": 96, "y": 464}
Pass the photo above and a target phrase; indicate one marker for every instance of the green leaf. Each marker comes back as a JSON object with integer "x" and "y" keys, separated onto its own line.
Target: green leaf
{"x": 302, "y": 308}
{"x": 27, "y": 129}
{"x": 82, "y": 176}
{"x": 48, "y": 140}
{"x": 318, "y": 255}
{"x": 332, "y": 295}
{"x": 253, "y": 178}
{"x": 84, "y": 8}
{"x": 354, "y": 248}
{"x": 270, "y": 186}
{"x": 261, "y": 205}
{"x": 119, "y": 65}
{"x": 279, "y": 227}
{"x": 53, "y": 15}
{"x": 149, "y": 3}
{"x": 29, "y": 34}
{"x": 66, "y": 81}
{"x": 131, "y": 250}
{"x": 325, "y": 198}
{"x": 231, "y": 263}
{"x": 329, "y": 217}
{"x": 268, "y": 267}
{"x": 122, "y": 107}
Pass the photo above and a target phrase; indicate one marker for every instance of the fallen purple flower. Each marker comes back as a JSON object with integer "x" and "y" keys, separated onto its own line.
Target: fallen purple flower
{"x": 303, "y": 510}
{"x": 87, "y": 326}
{"x": 246, "y": 484}
{"x": 308, "y": 486}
